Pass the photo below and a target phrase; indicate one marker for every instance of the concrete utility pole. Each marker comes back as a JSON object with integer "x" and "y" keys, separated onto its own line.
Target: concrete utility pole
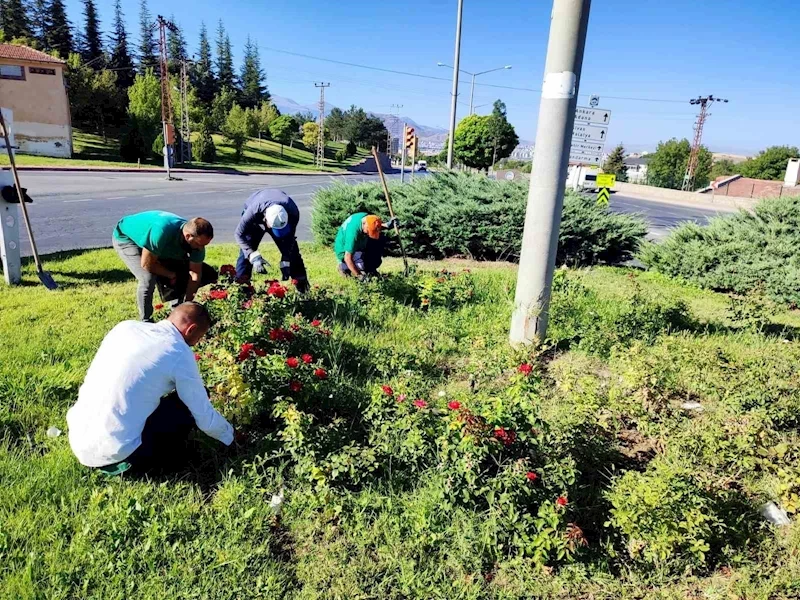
{"x": 321, "y": 137}
{"x": 568, "y": 23}
{"x": 454, "y": 93}
{"x": 691, "y": 165}
{"x": 403, "y": 153}
{"x": 166, "y": 96}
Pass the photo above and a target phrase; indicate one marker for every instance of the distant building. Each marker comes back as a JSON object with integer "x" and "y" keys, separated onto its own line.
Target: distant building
{"x": 522, "y": 153}
{"x": 637, "y": 169}
{"x": 32, "y": 86}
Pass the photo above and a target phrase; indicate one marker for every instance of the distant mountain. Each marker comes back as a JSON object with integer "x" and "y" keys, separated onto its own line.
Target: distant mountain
{"x": 287, "y": 106}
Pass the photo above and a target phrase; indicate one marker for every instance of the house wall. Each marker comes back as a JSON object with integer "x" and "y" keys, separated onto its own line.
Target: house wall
{"x": 41, "y": 109}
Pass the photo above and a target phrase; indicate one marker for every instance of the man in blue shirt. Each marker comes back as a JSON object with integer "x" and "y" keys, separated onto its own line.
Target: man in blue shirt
{"x": 274, "y": 212}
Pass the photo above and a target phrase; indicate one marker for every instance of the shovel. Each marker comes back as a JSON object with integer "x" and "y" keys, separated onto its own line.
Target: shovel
{"x": 44, "y": 276}
{"x": 391, "y": 212}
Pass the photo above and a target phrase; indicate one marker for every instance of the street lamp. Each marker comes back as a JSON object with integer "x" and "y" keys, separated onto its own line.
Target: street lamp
{"x": 474, "y": 75}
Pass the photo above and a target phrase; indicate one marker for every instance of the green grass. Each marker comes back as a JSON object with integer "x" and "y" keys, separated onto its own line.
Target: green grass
{"x": 66, "y": 532}
{"x": 91, "y": 150}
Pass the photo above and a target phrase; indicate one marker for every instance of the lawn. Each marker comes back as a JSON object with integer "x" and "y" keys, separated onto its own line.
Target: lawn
{"x": 629, "y": 458}
{"x": 91, "y": 150}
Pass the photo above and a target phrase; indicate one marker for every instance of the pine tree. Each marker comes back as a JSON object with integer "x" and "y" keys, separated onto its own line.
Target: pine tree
{"x": 14, "y": 20}
{"x": 121, "y": 60}
{"x": 203, "y": 72}
{"x": 176, "y": 47}
{"x": 224, "y": 61}
{"x": 40, "y": 21}
{"x": 59, "y": 31}
{"x": 92, "y": 46}
{"x": 252, "y": 76}
{"x": 147, "y": 40}
{"x": 615, "y": 164}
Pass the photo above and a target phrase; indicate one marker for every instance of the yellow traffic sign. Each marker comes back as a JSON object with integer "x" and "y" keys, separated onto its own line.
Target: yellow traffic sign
{"x": 606, "y": 180}
{"x": 603, "y": 196}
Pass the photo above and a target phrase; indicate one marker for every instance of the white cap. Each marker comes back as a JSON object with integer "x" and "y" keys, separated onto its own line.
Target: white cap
{"x": 276, "y": 217}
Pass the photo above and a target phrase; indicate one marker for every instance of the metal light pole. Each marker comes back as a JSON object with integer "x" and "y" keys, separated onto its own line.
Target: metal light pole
{"x": 454, "y": 93}
{"x": 474, "y": 75}
{"x": 562, "y": 75}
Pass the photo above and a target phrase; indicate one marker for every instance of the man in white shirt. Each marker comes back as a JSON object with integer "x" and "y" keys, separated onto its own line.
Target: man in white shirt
{"x": 143, "y": 394}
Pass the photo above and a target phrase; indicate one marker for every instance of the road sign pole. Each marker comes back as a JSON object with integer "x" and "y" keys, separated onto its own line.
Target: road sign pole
{"x": 568, "y": 24}
{"x": 403, "y": 154}
{"x": 454, "y": 93}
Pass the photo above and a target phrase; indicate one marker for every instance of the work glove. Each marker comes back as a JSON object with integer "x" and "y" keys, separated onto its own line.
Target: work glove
{"x": 286, "y": 272}
{"x": 260, "y": 265}
{"x": 392, "y": 222}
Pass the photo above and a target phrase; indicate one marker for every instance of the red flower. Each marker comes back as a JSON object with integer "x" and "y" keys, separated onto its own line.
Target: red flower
{"x": 227, "y": 270}
{"x": 294, "y": 282}
{"x": 316, "y": 323}
{"x": 292, "y": 362}
{"x": 387, "y": 390}
{"x": 321, "y": 374}
{"x": 401, "y": 398}
{"x": 561, "y": 501}
{"x": 287, "y": 336}
{"x": 525, "y": 369}
{"x": 294, "y": 327}
{"x": 196, "y": 356}
{"x": 325, "y": 331}
{"x": 247, "y": 304}
{"x": 158, "y": 306}
{"x": 276, "y": 289}
{"x": 260, "y": 352}
{"x": 280, "y": 335}
{"x": 531, "y": 476}
{"x": 274, "y": 334}
{"x": 245, "y": 351}
{"x": 218, "y": 294}
{"x": 295, "y": 386}
{"x": 307, "y": 358}
{"x": 419, "y": 403}
{"x": 505, "y": 436}
{"x": 453, "y": 405}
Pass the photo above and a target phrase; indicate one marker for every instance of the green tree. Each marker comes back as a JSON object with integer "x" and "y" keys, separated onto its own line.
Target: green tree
{"x": 722, "y": 168}
{"x": 475, "y": 142}
{"x": 235, "y": 130}
{"x": 176, "y": 47}
{"x": 144, "y": 105}
{"x": 121, "y": 60}
{"x": 253, "y": 89}
{"x": 147, "y": 40}
{"x": 203, "y": 148}
{"x": 769, "y": 164}
{"x": 350, "y": 149}
{"x": 40, "y": 21}
{"x": 504, "y": 138}
{"x": 310, "y": 135}
{"x": 615, "y": 164}
{"x": 335, "y": 123}
{"x": 667, "y": 165}
{"x": 202, "y": 75}
{"x": 91, "y": 44}
{"x": 282, "y": 129}
{"x": 59, "y": 31}
{"x": 305, "y": 117}
{"x": 267, "y": 113}
{"x": 251, "y": 118}
{"x": 107, "y": 104}
{"x": 224, "y": 59}
{"x": 221, "y": 106}
{"x": 14, "y": 20}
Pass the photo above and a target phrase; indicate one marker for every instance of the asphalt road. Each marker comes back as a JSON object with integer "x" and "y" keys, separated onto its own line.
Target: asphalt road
{"x": 80, "y": 209}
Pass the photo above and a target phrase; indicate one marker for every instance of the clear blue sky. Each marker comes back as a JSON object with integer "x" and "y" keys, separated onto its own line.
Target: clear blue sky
{"x": 662, "y": 50}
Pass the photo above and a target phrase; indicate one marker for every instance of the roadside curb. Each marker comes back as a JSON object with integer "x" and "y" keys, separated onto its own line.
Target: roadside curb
{"x": 152, "y": 170}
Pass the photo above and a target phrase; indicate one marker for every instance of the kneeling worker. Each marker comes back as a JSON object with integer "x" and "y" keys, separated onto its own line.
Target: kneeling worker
{"x": 270, "y": 211}
{"x": 360, "y": 243}
{"x": 143, "y": 395}
{"x": 165, "y": 249}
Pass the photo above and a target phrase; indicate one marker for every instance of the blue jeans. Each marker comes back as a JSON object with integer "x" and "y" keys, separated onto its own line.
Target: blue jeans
{"x": 292, "y": 265}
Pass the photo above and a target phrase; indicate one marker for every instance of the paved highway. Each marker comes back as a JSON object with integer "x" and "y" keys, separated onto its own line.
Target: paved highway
{"x": 79, "y": 209}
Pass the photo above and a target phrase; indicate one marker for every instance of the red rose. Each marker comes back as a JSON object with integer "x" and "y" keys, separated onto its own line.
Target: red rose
{"x": 196, "y": 356}
{"x": 321, "y": 374}
{"x": 227, "y": 270}
{"x": 245, "y": 350}
{"x": 295, "y": 386}
{"x": 561, "y": 501}
{"x": 316, "y": 323}
{"x": 531, "y": 476}
{"x": 260, "y": 352}
{"x": 387, "y": 390}
{"x": 294, "y": 327}
{"x": 277, "y": 290}
{"x": 453, "y": 405}
{"x": 274, "y": 334}
{"x": 525, "y": 369}
{"x": 286, "y": 335}
{"x": 505, "y": 436}
{"x": 401, "y": 398}
{"x": 158, "y": 306}
{"x": 307, "y": 358}
{"x": 218, "y": 294}
{"x": 292, "y": 362}
{"x": 420, "y": 403}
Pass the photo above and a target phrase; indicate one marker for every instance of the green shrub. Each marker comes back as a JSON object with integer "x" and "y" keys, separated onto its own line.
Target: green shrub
{"x": 458, "y": 214}
{"x": 203, "y": 148}
{"x": 739, "y": 253}
{"x": 341, "y": 155}
{"x": 133, "y": 145}
{"x": 350, "y": 149}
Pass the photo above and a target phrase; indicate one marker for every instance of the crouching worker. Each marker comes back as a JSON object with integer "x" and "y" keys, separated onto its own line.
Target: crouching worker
{"x": 274, "y": 212}
{"x": 360, "y": 244}
{"x": 166, "y": 250}
{"x": 143, "y": 395}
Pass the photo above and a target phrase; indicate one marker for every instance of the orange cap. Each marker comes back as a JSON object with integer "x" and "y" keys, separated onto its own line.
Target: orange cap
{"x": 374, "y": 225}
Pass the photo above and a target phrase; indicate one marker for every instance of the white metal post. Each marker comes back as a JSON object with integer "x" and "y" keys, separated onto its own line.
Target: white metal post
{"x": 454, "y": 93}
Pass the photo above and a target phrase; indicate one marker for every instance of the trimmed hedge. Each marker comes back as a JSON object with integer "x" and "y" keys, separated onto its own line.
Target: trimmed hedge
{"x": 458, "y": 214}
{"x": 741, "y": 253}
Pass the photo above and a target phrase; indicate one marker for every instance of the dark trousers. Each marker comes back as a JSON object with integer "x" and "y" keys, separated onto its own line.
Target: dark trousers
{"x": 176, "y": 293}
{"x": 164, "y": 438}
{"x": 292, "y": 265}
{"x": 369, "y": 259}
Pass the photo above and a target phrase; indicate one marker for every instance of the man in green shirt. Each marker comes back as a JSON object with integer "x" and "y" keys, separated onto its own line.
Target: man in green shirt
{"x": 359, "y": 244}
{"x": 165, "y": 249}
